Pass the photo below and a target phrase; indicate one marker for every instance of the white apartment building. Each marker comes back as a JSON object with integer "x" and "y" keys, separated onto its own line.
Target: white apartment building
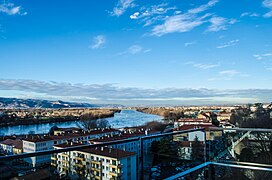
{"x": 133, "y": 146}
{"x": 190, "y": 121}
{"x": 96, "y": 163}
{"x": 10, "y": 146}
{"x": 46, "y": 142}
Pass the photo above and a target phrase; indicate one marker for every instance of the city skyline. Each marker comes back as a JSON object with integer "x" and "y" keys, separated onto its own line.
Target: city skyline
{"x": 132, "y": 52}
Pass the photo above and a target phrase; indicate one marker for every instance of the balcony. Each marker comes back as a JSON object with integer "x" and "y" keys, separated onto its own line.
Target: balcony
{"x": 213, "y": 170}
{"x": 95, "y": 169}
{"x": 95, "y": 162}
{"x": 78, "y": 165}
{"x": 113, "y": 173}
{"x": 113, "y": 166}
{"x": 215, "y": 154}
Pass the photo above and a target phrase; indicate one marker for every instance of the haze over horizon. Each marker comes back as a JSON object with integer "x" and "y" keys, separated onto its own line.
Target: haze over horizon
{"x": 132, "y": 52}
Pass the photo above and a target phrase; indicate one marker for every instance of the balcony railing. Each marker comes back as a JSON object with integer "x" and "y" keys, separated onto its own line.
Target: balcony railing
{"x": 193, "y": 153}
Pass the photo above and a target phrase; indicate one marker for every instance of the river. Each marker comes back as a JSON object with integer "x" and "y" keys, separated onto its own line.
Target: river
{"x": 125, "y": 118}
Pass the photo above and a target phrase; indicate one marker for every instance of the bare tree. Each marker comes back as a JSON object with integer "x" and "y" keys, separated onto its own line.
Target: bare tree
{"x": 93, "y": 124}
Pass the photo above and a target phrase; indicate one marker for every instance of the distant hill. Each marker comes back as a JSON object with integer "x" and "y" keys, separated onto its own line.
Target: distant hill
{"x": 10, "y": 103}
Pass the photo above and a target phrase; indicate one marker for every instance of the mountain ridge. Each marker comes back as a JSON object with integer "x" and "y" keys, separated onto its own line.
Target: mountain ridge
{"x": 15, "y": 103}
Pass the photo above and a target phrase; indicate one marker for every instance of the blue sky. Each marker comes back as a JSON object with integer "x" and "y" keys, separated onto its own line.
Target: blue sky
{"x": 137, "y": 52}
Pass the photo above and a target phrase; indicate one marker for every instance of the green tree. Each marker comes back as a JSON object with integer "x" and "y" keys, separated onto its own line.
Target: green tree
{"x": 197, "y": 150}
{"x": 246, "y": 155}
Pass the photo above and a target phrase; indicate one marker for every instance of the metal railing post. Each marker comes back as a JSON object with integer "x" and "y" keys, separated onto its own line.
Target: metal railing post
{"x": 142, "y": 158}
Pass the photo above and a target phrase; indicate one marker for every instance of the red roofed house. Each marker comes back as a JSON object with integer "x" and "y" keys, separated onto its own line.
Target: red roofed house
{"x": 11, "y": 146}
{"x": 96, "y": 163}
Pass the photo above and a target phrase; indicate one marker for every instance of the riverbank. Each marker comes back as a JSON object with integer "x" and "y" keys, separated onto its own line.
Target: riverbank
{"x": 126, "y": 118}
{"x": 42, "y": 116}
{"x": 167, "y": 112}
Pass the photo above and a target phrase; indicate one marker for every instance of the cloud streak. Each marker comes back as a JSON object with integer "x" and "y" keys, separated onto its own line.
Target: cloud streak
{"x": 121, "y": 7}
{"x": 185, "y": 22}
{"x": 135, "y": 49}
{"x": 98, "y": 42}
{"x": 268, "y": 4}
{"x": 113, "y": 94}
{"x": 202, "y": 66}
{"x": 262, "y": 56}
{"x": 219, "y": 24}
{"x": 227, "y": 75}
{"x": 11, "y": 9}
{"x": 228, "y": 44}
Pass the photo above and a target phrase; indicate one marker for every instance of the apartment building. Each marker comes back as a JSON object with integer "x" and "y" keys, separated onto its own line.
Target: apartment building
{"x": 191, "y": 121}
{"x": 201, "y": 135}
{"x": 95, "y": 163}
{"x": 35, "y": 143}
{"x": 133, "y": 146}
{"x": 224, "y": 116}
{"x": 11, "y": 146}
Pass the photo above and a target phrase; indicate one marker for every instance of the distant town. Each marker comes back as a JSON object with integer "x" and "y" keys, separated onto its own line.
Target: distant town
{"x": 156, "y": 157}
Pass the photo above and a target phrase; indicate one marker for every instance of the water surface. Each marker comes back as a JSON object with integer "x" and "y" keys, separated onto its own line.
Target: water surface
{"x": 125, "y": 118}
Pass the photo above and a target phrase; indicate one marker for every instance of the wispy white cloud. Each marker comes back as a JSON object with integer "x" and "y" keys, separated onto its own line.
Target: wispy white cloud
{"x": 121, "y": 7}
{"x": 263, "y": 56}
{"x": 135, "y": 49}
{"x": 204, "y": 7}
{"x": 228, "y": 44}
{"x": 108, "y": 93}
{"x": 206, "y": 66}
{"x": 201, "y": 65}
{"x": 184, "y": 22}
{"x": 268, "y": 4}
{"x": 249, "y": 14}
{"x": 227, "y": 75}
{"x": 135, "y": 15}
{"x": 220, "y": 23}
{"x": 179, "y": 23}
{"x": 152, "y": 14}
{"x": 11, "y": 9}
{"x": 189, "y": 43}
{"x": 98, "y": 42}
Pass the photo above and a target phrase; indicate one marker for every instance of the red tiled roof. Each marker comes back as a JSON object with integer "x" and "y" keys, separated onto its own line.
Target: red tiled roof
{"x": 191, "y": 120}
{"x": 123, "y": 136}
{"x": 15, "y": 143}
{"x": 109, "y": 152}
{"x": 192, "y": 126}
{"x": 39, "y": 138}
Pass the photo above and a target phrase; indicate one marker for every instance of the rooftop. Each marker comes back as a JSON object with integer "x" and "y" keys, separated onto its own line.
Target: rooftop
{"x": 192, "y": 126}
{"x": 124, "y": 135}
{"x": 102, "y": 151}
{"x": 15, "y": 143}
{"x": 39, "y": 138}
